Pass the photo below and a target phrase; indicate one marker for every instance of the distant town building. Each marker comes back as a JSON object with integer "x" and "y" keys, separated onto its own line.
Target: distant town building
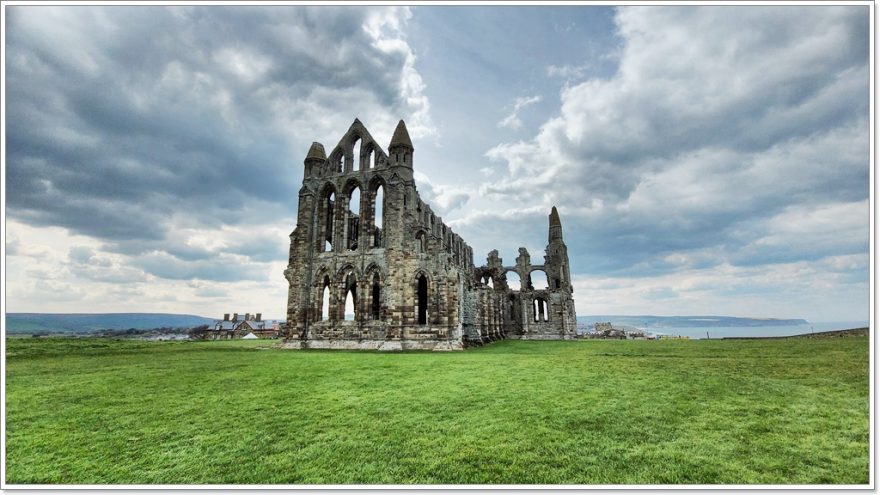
{"x": 605, "y": 326}
{"x": 238, "y": 326}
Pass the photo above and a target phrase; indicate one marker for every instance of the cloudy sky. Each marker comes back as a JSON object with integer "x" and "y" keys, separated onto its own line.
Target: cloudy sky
{"x": 705, "y": 160}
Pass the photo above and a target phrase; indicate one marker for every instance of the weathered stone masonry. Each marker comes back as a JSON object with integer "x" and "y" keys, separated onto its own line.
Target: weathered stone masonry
{"x": 363, "y": 234}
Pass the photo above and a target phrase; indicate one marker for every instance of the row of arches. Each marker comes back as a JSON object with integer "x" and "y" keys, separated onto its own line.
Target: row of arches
{"x": 362, "y": 218}
{"x": 359, "y": 155}
{"x": 347, "y": 305}
{"x": 340, "y": 301}
{"x": 450, "y": 242}
{"x": 536, "y": 280}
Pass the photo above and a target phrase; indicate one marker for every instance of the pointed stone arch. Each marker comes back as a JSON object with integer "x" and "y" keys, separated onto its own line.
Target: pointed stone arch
{"x": 538, "y": 279}
{"x": 322, "y": 291}
{"x": 375, "y": 213}
{"x": 335, "y": 160}
{"x": 353, "y": 214}
{"x": 349, "y": 293}
{"x": 374, "y": 155}
{"x": 325, "y": 216}
{"x": 513, "y": 279}
{"x": 422, "y": 283}
{"x": 375, "y": 278}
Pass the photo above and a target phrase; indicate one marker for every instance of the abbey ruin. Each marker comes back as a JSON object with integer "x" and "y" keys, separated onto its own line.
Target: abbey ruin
{"x": 365, "y": 239}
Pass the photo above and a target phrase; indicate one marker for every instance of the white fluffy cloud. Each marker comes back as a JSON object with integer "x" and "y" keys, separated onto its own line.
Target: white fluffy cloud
{"x": 729, "y": 137}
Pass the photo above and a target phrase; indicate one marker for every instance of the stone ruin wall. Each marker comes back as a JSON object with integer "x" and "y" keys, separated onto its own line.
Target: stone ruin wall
{"x": 413, "y": 279}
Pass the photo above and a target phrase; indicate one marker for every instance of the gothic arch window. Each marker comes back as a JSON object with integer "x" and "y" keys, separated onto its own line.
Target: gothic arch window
{"x": 353, "y": 218}
{"x": 514, "y": 282}
{"x": 324, "y": 312}
{"x": 378, "y": 215}
{"x": 540, "y": 311}
{"x": 336, "y": 160}
{"x": 350, "y": 312}
{"x": 422, "y": 300}
{"x": 325, "y": 220}
{"x": 372, "y": 156}
{"x": 376, "y": 299}
{"x": 367, "y": 157}
{"x": 356, "y": 154}
{"x": 538, "y": 280}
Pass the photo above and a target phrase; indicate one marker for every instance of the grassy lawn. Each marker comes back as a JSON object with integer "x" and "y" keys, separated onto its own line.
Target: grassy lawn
{"x": 592, "y": 412}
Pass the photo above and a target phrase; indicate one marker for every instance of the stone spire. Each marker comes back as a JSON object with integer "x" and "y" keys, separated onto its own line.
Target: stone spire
{"x": 401, "y": 149}
{"x": 555, "y": 226}
{"x": 315, "y": 159}
{"x": 316, "y": 151}
{"x": 400, "y": 137}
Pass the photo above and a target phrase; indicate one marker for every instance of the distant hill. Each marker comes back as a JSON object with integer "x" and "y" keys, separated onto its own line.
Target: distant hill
{"x": 81, "y": 322}
{"x": 650, "y": 321}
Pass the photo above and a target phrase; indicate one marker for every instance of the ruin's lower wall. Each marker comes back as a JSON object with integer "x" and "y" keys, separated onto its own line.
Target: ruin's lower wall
{"x": 376, "y": 345}
{"x": 545, "y": 336}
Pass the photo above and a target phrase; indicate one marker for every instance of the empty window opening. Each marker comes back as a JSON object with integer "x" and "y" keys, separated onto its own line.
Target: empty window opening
{"x": 422, "y": 297}
{"x": 368, "y": 159}
{"x": 354, "y": 212}
{"x": 349, "y": 305}
{"x": 336, "y": 160}
{"x": 350, "y": 297}
{"x": 325, "y": 300}
{"x": 376, "y": 306}
{"x": 329, "y": 203}
{"x": 356, "y": 154}
{"x": 540, "y": 310}
{"x": 487, "y": 280}
{"x": 379, "y": 215}
{"x": 514, "y": 282}
{"x": 556, "y": 283}
{"x": 539, "y": 280}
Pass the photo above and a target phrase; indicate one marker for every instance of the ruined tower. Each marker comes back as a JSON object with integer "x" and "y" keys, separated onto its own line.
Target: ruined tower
{"x": 365, "y": 240}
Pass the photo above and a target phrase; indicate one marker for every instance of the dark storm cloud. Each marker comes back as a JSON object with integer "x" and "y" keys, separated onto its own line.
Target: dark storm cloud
{"x": 123, "y": 122}
{"x": 259, "y": 249}
{"x": 221, "y": 269}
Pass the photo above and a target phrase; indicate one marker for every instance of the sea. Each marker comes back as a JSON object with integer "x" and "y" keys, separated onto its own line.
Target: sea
{"x": 762, "y": 331}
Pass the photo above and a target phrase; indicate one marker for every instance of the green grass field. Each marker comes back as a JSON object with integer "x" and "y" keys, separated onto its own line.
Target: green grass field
{"x": 584, "y": 412}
